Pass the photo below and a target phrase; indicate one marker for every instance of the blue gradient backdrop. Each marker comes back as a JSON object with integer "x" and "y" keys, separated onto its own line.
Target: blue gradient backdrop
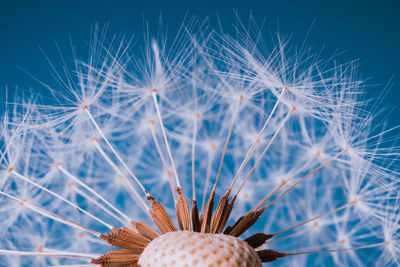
{"x": 364, "y": 30}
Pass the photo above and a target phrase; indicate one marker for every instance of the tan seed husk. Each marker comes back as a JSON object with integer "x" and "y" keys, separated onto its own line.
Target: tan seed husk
{"x": 161, "y": 217}
{"x": 226, "y": 215}
{"x": 258, "y": 239}
{"x": 182, "y": 211}
{"x": 269, "y": 255}
{"x": 205, "y": 226}
{"x": 126, "y": 239}
{"x": 245, "y": 223}
{"x": 146, "y": 230}
{"x": 117, "y": 258}
{"x": 219, "y": 212}
{"x": 195, "y": 217}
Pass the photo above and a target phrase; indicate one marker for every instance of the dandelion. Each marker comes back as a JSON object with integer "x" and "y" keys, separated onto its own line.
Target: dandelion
{"x": 210, "y": 150}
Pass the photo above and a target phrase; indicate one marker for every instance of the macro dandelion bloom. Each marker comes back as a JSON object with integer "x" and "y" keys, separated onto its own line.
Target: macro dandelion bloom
{"x": 204, "y": 150}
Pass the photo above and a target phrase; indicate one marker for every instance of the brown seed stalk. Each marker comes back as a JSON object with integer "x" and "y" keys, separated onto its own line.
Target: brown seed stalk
{"x": 161, "y": 217}
{"x": 126, "y": 239}
{"x": 269, "y": 255}
{"x": 117, "y": 258}
{"x": 195, "y": 217}
{"x": 205, "y": 226}
{"x": 258, "y": 239}
{"x": 219, "y": 212}
{"x": 226, "y": 215}
{"x": 182, "y": 211}
{"x": 146, "y": 230}
{"x": 245, "y": 222}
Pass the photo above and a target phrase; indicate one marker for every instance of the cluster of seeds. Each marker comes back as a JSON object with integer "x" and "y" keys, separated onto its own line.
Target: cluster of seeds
{"x": 209, "y": 149}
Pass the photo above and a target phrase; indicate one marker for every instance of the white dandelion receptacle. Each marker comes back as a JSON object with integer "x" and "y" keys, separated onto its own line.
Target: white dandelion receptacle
{"x": 185, "y": 249}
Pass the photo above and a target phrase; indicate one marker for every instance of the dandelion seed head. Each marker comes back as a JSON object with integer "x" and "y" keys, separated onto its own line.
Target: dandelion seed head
{"x": 198, "y": 138}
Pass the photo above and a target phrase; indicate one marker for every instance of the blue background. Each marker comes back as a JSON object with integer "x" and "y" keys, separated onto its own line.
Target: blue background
{"x": 364, "y": 30}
